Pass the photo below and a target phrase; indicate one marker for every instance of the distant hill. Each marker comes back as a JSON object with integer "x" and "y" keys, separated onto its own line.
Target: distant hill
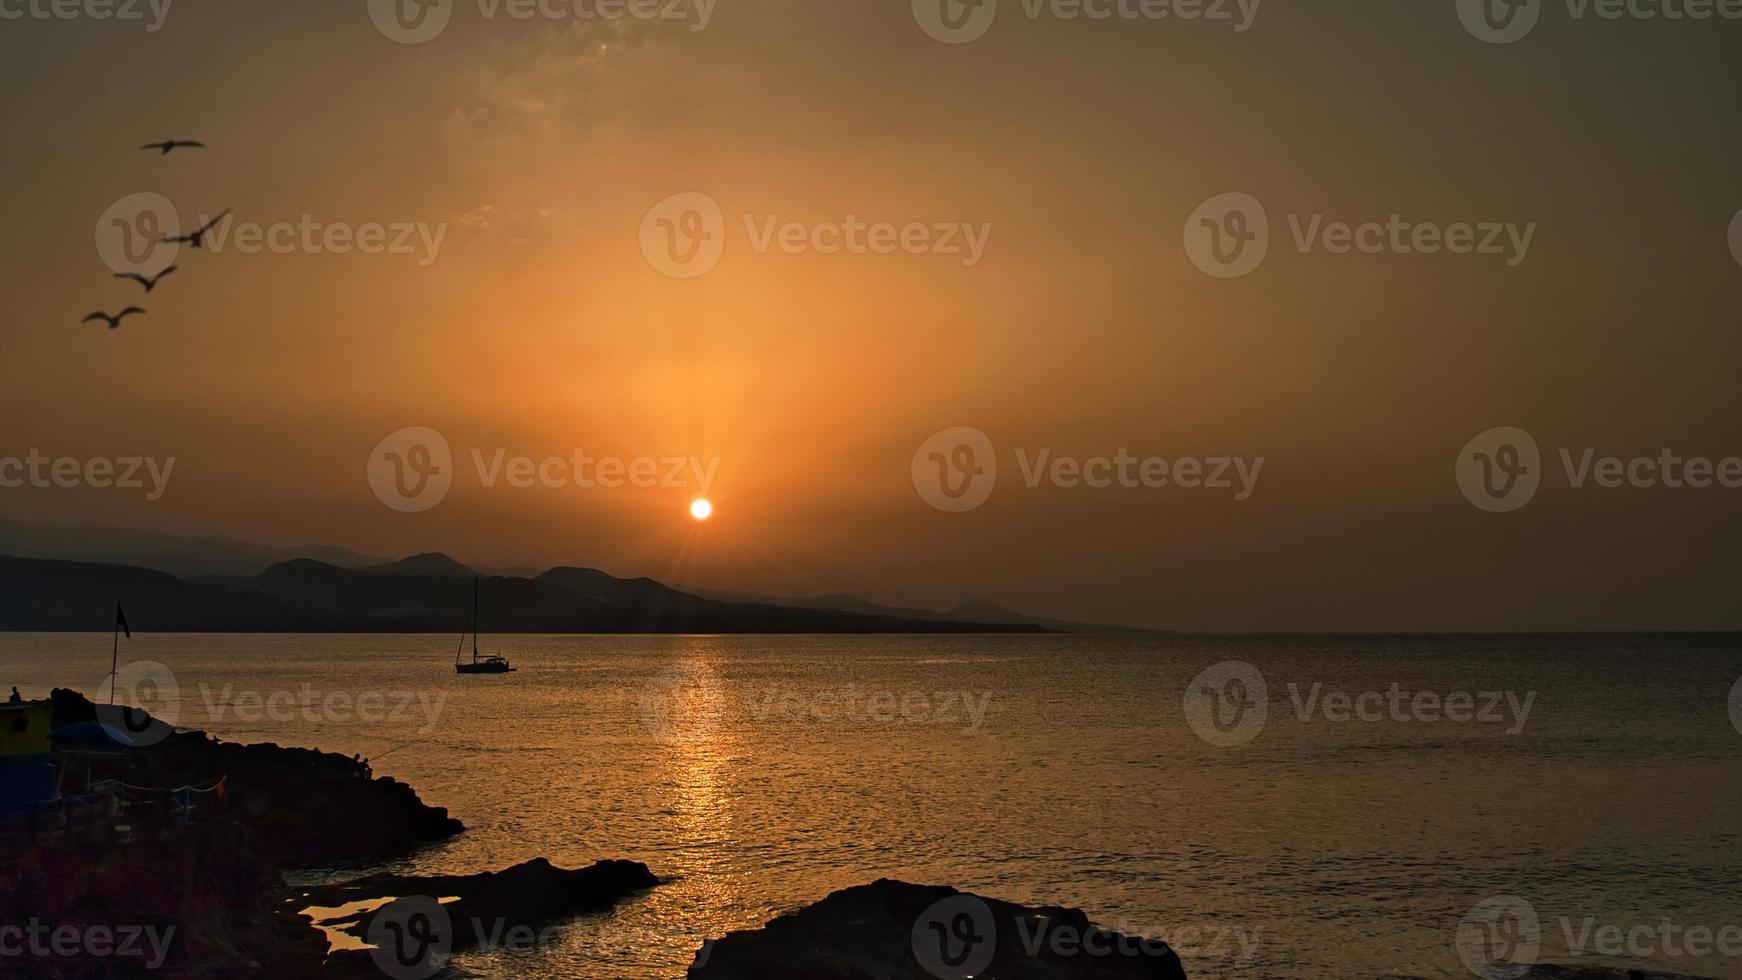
{"x": 974, "y": 611}
{"x": 181, "y": 556}
{"x": 426, "y": 594}
{"x": 423, "y": 566}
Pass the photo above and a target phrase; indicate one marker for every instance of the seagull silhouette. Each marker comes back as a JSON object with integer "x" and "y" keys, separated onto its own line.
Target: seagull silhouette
{"x": 149, "y": 283}
{"x": 170, "y": 146}
{"x": 199, "y": 236}
{"x": 114, "y": 322}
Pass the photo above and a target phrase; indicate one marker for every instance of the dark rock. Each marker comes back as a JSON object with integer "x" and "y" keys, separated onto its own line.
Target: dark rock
{"x": 504, "y": 909}
{"x": 891, "y": 930}
{"x": 530, "y": 894}
{"x": 301, "y": 807}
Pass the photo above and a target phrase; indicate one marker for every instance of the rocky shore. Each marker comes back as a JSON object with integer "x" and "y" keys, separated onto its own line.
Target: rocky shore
{"x": 892, "y": 930}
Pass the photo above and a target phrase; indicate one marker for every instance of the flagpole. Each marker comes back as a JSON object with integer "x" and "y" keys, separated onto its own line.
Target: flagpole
{"x": 115, "y": 657}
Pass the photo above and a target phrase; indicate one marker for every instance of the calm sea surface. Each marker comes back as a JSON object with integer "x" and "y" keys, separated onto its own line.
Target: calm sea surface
{"x": 762, "y": 773}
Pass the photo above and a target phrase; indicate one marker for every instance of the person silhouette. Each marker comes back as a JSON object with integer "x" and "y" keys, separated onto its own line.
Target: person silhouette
{"x": 16, "y": 697}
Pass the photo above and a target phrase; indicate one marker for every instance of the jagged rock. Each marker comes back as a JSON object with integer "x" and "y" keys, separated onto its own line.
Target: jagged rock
{"x": 301, "y": 807}
{"x": 208, "y": 885}
{"x": 529, "y": 894}
{"x": 512, "y": 909}
{"x": 891, "y": 930}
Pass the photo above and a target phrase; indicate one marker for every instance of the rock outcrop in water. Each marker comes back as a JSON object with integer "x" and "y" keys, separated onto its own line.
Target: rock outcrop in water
{"x": 487, "y": 910}
{"x": 891, "y": 930}
{"x": 190, "y": 886}
{"x": 301, "y": 807}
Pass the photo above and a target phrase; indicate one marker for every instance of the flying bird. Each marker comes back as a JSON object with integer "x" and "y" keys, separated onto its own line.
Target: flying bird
{"x": 150, "y": 282}
{"x": 199, "y": 236}
{"x": 170, "y": 146}
{"x": 114, "y": 322}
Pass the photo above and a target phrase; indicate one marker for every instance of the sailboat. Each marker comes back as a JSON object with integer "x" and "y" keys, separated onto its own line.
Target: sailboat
{"x": 479, "y": 665}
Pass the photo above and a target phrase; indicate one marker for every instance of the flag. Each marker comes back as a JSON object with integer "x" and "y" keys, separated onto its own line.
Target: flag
{"x": 121, "y": 621}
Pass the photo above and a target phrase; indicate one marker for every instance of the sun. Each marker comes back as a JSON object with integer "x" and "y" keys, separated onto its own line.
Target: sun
{"x": 701, "y": 509}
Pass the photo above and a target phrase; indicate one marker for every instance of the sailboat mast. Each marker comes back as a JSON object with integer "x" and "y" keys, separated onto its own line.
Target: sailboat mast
{"x": 467, "y": 627}
{"x": 474, "y": 620}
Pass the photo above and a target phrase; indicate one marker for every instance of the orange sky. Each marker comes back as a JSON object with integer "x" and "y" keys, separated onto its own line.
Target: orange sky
{"x": 540, "y": 328}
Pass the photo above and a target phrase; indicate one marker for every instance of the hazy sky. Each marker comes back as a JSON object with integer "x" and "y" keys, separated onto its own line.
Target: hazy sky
{"x": 535, "y": 148}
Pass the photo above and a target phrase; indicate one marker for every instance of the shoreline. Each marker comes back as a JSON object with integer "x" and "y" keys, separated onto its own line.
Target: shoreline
{"x": 211, "y": 877}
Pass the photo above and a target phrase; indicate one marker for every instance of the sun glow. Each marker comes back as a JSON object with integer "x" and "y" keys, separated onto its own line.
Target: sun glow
{"x": 701, "y": 509}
